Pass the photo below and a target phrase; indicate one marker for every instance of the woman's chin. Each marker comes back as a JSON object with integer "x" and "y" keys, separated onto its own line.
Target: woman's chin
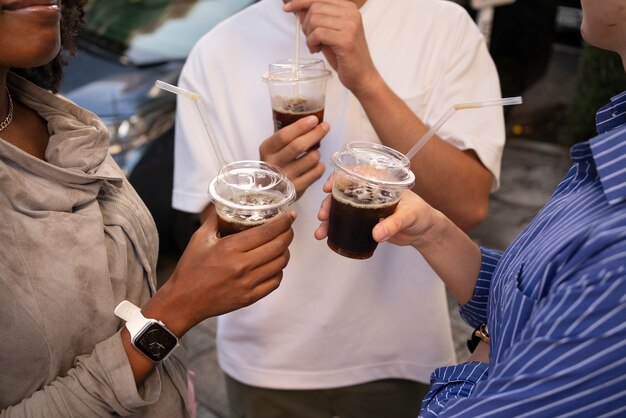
{"x": 36, "y": 56}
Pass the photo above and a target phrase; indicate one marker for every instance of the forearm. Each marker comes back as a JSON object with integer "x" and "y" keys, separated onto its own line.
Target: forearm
{"x": 395, "y": 124}
{"x": 449, "y": 179}
{"x": 452, "y": 255}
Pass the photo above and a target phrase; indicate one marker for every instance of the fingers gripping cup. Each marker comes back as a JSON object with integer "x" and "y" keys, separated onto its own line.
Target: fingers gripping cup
{"x": 367, "y": 183}
{"x": 296, "y": 90}
{"x": 249, "y": 193}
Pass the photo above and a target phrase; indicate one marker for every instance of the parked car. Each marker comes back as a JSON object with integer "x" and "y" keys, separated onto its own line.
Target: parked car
{"x": 124, "y": 47}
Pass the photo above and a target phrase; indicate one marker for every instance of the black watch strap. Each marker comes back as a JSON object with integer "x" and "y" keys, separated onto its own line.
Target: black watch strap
{"x": 479, "y": 334}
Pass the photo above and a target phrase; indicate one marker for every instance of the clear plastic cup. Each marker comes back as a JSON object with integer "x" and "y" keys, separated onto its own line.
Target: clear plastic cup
{"x": 296, "y": 91}
{"x": 248, "y": 194}
{"x": 367, "y": 183}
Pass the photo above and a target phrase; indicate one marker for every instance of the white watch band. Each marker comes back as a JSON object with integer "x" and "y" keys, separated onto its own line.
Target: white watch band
{"x": 135, "y": 321}
{"x": 126, "y": 310}
{"x": 149, "y": 336}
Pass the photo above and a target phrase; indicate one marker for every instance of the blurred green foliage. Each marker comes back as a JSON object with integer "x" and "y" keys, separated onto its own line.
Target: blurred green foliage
{"x": 600, "y": 76}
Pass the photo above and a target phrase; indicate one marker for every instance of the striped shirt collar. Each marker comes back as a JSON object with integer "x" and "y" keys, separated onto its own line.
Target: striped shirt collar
{"x": 612, "y": 115}
{"x": 609, "y": 148}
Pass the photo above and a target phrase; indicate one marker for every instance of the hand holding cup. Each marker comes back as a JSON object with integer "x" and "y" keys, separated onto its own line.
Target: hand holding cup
{"x": 410, "y": 220}
{"x": 367, "y": 183}
{"x": 290, "y": 149}
{"x": 218, "y": 275}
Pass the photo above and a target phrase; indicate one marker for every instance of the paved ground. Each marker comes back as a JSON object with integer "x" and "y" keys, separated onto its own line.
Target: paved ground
{"x": 530, "y": 171}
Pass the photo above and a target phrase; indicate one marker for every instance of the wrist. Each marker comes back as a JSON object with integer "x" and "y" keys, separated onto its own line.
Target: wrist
{"x": 169, "y": 307}
{"x": 370, "y": 88}
{"x": 150, "y": 336}
{"x": 433, "y": 236}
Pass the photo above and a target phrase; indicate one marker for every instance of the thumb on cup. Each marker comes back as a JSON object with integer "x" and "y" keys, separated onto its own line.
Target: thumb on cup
{"x": 386, "y": 229}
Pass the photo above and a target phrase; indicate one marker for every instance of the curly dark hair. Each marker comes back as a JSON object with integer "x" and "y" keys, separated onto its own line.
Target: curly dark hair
{"x": 49, "y": 76}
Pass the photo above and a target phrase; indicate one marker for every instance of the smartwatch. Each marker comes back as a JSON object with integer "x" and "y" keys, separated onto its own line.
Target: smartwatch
{"x": 150, "y": 336}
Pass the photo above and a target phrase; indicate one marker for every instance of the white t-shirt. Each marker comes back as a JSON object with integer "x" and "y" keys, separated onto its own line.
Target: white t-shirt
{"x": 335, "y": 321}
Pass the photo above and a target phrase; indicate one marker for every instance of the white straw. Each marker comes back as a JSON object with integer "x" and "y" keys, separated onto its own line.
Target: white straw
{"x": 203, "y": 115}
{"x": 460, "y": 106}
{"x": 507, "y": 101}
{"x": 177, "y": 90}
{"x": 297, "y": 53}
{"x": 296, "y": 59}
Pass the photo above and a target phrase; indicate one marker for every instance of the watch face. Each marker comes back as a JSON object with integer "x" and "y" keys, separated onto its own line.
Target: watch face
{"x": 155, "y": 342}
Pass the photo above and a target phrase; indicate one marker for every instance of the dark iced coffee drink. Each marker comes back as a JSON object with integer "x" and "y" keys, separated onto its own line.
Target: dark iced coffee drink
{"x": 230, "y": 221}
{"x": 354, "y": 211}
{"x": 289, "y": 110}
{"x": 297, "y": 90}
{"x": 367, "y": 183}
{"x": 248, "y": 194}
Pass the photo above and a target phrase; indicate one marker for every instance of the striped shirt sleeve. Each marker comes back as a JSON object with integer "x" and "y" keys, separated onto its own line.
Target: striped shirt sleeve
{"x": 474, "y": 312}
{"x": 452, "y": 383}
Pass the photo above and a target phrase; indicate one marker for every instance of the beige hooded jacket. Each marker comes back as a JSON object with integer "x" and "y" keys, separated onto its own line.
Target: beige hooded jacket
{"x": 75, "y": 240}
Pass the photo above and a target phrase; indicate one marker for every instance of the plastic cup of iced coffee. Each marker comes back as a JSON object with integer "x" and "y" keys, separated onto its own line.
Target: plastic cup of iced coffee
{"x": 296, "y": 90}
{"x": 368, "y": 180}
{"x": 249, "y": 193}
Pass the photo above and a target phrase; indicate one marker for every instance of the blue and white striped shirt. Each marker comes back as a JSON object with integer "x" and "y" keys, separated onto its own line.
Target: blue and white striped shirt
{"x": 555, "y": 301}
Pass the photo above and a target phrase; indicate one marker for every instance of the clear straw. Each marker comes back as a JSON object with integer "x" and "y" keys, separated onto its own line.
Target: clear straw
{"x": 203, "y": 115}
{"x": 460, "y": 106}
{"x": 296, "y": 59}
{"x": 297, "y": 46}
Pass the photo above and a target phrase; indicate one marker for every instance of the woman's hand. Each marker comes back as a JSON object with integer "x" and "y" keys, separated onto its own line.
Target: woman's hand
{"x": 219, "y": 275}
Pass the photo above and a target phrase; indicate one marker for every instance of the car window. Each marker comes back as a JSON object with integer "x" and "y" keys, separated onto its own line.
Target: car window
{"x": 146, "y": 31}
